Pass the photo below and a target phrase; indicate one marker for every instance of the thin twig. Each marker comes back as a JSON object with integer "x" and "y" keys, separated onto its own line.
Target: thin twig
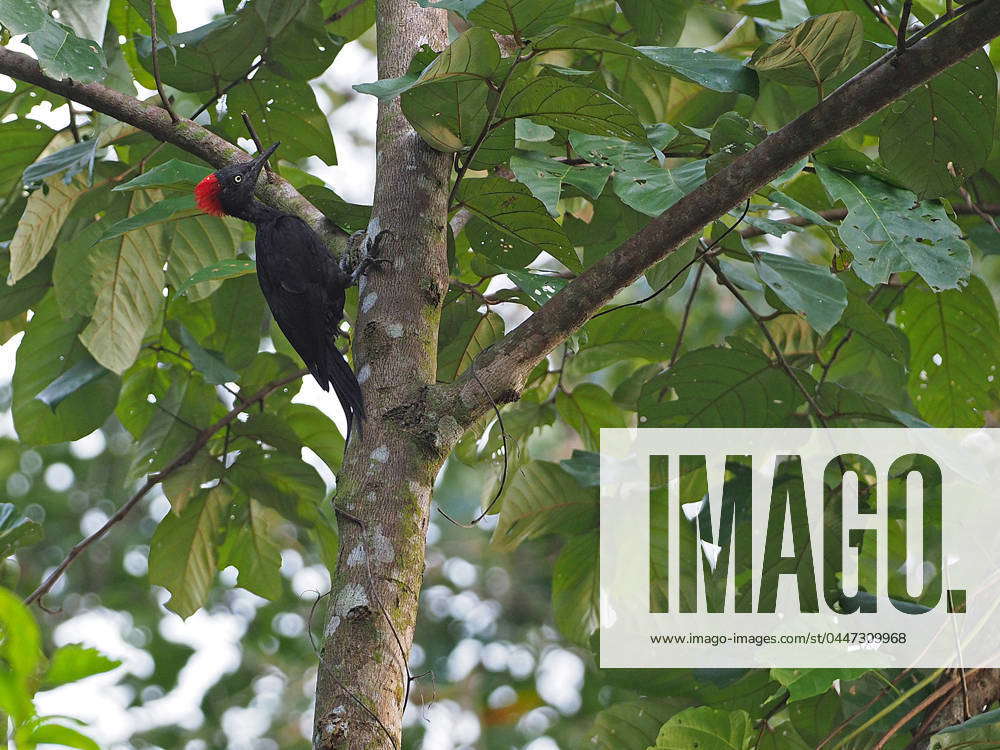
{"x": 904, "y": 23}
{"x": 503, "y": 474}
{"x": 154, "y": 479}
{"x": 906, "y": 718}
{"x": 156, "y": 64}
{"x": 256, "y": 141}
{"x": 687, "y": 313}
{"x": 72, "y": 121}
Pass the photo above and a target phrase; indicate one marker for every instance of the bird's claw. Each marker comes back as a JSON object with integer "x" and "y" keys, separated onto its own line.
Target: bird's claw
{"x": 371, "y": 255}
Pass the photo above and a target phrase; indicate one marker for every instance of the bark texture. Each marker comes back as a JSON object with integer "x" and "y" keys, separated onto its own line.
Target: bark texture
{"x": 387, "y": 475}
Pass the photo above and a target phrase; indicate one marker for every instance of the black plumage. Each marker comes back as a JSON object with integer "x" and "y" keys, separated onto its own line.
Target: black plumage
{"x": 303, "y": 284}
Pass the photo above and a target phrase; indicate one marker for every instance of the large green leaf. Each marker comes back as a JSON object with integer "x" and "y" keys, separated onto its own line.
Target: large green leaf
{"x": 576, "y": 588}
{"x": 173, "y": 422}
{"x": 807, "y": 683}
{"x": 23, "y": 141}
{"x": 588, "y": 408}
{"x": 448, "y": 114}
{"x": 43, "y": 217}
{"x": 299, "y": 47}
{"x": 543, "y": 499}
{"x": 807, "y": 288}
{"x": 707, "y": 729}
{"x": 182, "y": 552}
{"x": 50, "y": 348}
{"x": 251, "y": 548}
{"x": 888, "y": 231}
{"x": 239, "y": 311}
{"x": 941, "y": 133}
{"x": 282, "y": 110}
{"x": 814, "y": 51}
{"x": 280, "y": 481}
{"x": 175, "y": 174}
{"x": 83, "y": 373}
{"x": 632, "y": 725}
{"x": 659, "y": 22}
{"x": 639, "y": 333}
{"x": 652, "y": 190}
{"x": 16, "y": 298}
{"x": 954, "y": 339}
{"x": 61, "y": 53}
{"x": 709, "y": 69}
{"x": 316, "y": 431}
{"x": 473, "y": 55}
{"x": 544, "y": 177}
{"x": 74, "y": 662}
{"x": 510, "y": 208}
{"x": 210, "y": 56}
{"x": 163, "y": 209}
{"x": 199, "y": 243}
{"x": 548, "y": 100}
{"x": 719, "y": 387}
{"x": 128, "y": 277}
{"x": 520, "y": 17}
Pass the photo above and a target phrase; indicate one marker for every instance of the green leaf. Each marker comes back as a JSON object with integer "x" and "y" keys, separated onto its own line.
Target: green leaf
{"x": 543, "y": 499}
{"x": 951, "y": 333}
{"x": 316, "y": 431}
{"x": 61, "y": 53}
{"x": 39, "y": 226}
{"x": 348, "y": 216}
{"x": 808, "y": 289}
{"x": 16, "y": 298}
{"x": 50, "y": 348}
{"x": 709, "y": 69}
{"x": 159, "y": 212}
{"x": 239, "y": 311}
{"x": 207, "y": 363}
{"x": 174, "y": 174}
{"x": 57, "y": 734}
{"x": 21, "y": 645}
{"x": 202, "y": 246}
{"x": 651, "y": 190}
{"x": 719, "y": 387}
{"x": 578, "y": 38}
{"x": 632, "y": 725}
{"x": 707, "y": 729}
{"x": 300, "y": 47}
{"x": 544, "y": 177}
{"x": 185, "y": 482}
{"x": 212, "y": 55}
{"x": 640, "y": 333}
{"x": 813, "y": 52}
{"x": 806, "y": 683}
{"x": 83, "y": 373}
{"x": 128, "y": 277}
{"x": 548, "y": 100}
{"x": 182, "y": 552}
{"x": 613, "y": 152}
{"x": 510, "y": 208}
{"x": 387, "y": 88}
{"x": 73, "y": 662}
{"x": 23, "y": 141}
{"x": 354, "y": 22}
{"x": 538, "y": 288}
{"x": 464, "y": 333}
{"x": 576, "y": 588}
{"x": 450, "y": 114}
{"x": 588, "y": 408}
{"x": 520, "y": 17}
{"x": 979, "y": 731}
{"x": 176, "y": 419}
{"x": 230, "y": 268}
{"x": 16, "y": 530}
{"x": 73, "y": 159}
{"x": 253, "y": 551}
{"x": 282, "y": 110}
{"x": 941, "y": 133}
{"x": 473, "y": 55}
{"x": 888, "y": 231}
{"x": 280, "y": 481}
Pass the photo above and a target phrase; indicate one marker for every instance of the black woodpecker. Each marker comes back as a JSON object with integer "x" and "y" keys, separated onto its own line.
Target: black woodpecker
{"x": 303, "y": 284}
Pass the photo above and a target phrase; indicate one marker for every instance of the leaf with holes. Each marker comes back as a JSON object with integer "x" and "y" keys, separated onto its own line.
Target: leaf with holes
{"x": 813, "y": 52}
{"x": 888, "y": 231}
{"x": 953, "y": 380}
{"x": 182, "y": 552}
{"x": 808, "y": 289}
{"x": 548, "y": 100}
{"x": 707, "y": 729}
{"x": 652, "y": 190}
{"x": 511, "y": 208}
{"x": 941, "y": 133}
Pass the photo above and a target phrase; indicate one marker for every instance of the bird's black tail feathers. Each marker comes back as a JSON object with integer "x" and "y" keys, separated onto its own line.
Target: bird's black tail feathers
{"x": 336, "y": 372}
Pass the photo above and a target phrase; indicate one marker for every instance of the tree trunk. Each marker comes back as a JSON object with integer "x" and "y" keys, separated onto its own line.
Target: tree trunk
{"x": 388, "y": 473}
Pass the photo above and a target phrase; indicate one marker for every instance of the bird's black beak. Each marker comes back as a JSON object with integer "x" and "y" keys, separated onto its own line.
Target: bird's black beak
{"x": 256, "y": 164}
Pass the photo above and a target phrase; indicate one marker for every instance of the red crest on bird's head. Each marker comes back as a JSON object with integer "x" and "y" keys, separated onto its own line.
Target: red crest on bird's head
{"x": 206, "y": 195}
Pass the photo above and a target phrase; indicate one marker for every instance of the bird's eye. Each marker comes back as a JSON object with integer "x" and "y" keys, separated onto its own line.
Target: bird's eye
{"x": 238, "y": 178}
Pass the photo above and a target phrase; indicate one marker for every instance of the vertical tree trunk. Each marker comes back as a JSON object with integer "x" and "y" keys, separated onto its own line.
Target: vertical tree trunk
{"x": 387, "y": 475}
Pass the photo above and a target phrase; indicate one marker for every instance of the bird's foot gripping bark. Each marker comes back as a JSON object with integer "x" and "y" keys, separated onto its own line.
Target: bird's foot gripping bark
{"x": 371, "y": 246}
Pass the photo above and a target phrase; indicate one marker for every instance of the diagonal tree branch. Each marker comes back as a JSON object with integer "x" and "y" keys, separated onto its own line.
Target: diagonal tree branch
{"x": 505, "y": 366}
{"x": 185, "y": 134}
